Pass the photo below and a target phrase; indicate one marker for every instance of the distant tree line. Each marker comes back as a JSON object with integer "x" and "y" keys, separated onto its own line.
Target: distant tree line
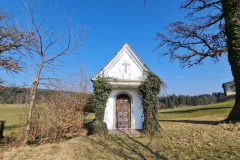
{"x": 172, "y": 101}
{"x": 19, "y": 95}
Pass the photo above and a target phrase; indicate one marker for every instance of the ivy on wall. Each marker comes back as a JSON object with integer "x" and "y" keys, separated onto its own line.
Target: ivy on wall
{"x": 102, "y": 89}
{"x": 149, "y": 91}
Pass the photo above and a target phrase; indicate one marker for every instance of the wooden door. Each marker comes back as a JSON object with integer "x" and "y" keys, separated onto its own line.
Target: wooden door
{"x": 123, "y": 113}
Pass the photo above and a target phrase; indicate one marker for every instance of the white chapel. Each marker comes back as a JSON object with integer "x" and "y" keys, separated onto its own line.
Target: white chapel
{"x": 125, "y": 72}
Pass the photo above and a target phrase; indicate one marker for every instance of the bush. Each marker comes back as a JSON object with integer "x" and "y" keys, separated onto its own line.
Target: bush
{"x": 149, "y": 91}
{"x": 102, "y": 89}
{"x": 61, "y": 117}
{"x": 97, "y": 127}
{"x": 87, "y": 102}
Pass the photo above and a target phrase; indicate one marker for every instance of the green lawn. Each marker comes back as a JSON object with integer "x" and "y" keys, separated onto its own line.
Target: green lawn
{"x": 12, "y": 113}
{"x": 187, "y": 133}
{"x": 217, "y": 111}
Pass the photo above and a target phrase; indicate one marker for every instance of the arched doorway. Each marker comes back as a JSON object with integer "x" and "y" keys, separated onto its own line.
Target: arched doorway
{"x": 123, "y": 111}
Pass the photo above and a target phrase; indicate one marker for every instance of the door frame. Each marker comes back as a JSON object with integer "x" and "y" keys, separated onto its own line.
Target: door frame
{"x": 115, "y": 108}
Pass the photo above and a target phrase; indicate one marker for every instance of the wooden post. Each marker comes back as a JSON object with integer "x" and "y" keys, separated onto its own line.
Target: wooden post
{"x": 2, "y": 122}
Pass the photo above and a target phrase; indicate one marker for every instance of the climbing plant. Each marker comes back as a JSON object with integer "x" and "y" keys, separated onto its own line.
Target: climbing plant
{"x": 149, "y": 91}
{"x": 102, "y": 89}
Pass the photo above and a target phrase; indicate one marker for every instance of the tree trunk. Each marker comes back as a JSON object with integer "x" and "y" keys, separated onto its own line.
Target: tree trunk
{"x": 231, "y": 11}
{"x": 32, "y": 103}
{"x": 2, "y": 122}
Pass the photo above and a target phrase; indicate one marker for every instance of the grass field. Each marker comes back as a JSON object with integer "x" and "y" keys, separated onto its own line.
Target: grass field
{"x": 187, "y": 133}
{"x": 11, "y": 113}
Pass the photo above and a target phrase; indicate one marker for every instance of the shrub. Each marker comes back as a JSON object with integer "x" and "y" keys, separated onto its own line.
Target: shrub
{"x": 102, "y": 89}
{"x": 97, "y": 127}
{"x": 61, "y": 117}
{"x": 149, "y": 91}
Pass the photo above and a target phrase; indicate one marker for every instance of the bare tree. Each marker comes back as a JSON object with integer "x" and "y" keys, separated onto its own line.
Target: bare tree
{"x": 50, "y": 46}
{"x": 212, "y": 31}
{"x": 84, "y": 81}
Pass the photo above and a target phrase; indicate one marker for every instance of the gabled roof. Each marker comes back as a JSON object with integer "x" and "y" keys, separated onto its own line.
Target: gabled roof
{"x": 228, "y": 83}
{"x": 126, "y": 49}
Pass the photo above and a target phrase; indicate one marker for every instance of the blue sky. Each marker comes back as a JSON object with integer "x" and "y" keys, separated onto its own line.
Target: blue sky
{"x": 110, "y": 24}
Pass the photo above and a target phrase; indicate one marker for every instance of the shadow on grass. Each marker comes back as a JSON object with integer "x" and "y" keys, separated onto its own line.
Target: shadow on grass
{"x": 125, "y": 146}
{"x": 128, "y": 147}
{"x": 194, "y": 110}
{"x": 194, "y": 121}
{"x": 12, "y": 127}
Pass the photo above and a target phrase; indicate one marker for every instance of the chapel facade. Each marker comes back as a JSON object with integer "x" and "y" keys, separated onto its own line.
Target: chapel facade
{"x": 125, "y": 73}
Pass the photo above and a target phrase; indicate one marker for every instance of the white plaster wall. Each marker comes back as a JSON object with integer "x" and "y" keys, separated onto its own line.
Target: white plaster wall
{"x": 118, "y": 70}
{"x": 136, "y": 110}
{"x": 230, "y": 89}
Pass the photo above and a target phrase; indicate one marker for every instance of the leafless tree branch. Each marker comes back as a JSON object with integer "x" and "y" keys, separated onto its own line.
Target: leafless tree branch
{"x": 51, "y": 43}
{"x": 192, "y": 43}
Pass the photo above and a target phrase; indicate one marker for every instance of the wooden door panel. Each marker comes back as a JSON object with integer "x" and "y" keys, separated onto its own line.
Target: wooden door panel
{"x": 123, "y": 113}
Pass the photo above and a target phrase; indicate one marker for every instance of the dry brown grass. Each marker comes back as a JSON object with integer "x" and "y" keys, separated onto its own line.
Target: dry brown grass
{"x": 188, "y": 133}
{"x": 177, "y": 141}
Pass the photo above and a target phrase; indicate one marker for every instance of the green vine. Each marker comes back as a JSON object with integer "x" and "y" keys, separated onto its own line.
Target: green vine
{"x": 149, "y": 91}
{"x": 102, "y": 89}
